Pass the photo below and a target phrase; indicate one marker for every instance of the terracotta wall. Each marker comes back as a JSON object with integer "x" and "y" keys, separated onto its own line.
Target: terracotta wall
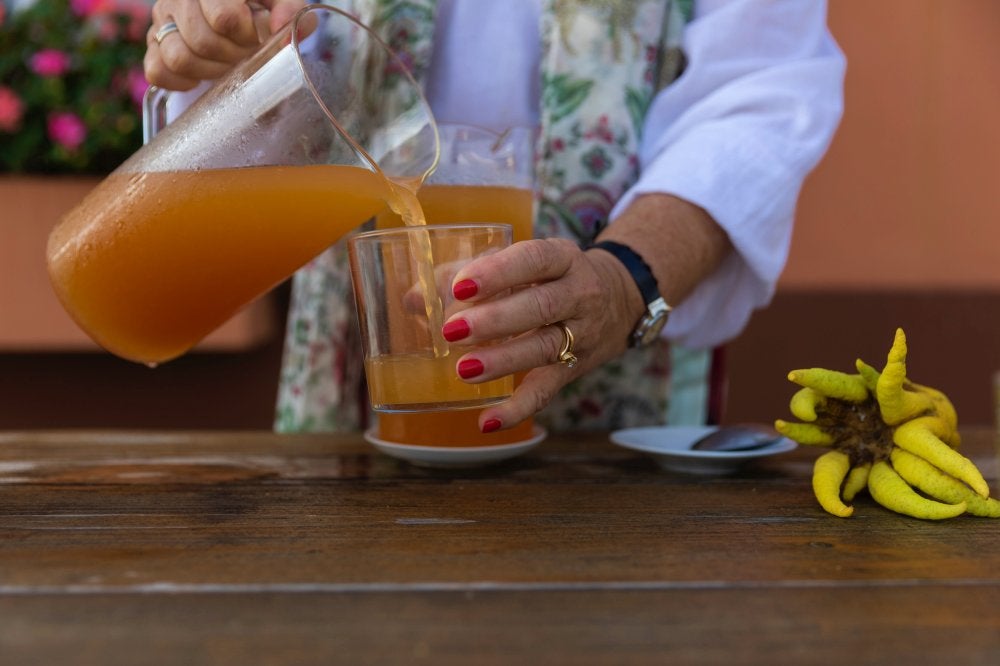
{"x": 900, "y": 223}
{"x": 909, "y": 193}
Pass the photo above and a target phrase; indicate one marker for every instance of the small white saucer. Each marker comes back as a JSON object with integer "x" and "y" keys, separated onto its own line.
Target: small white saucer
{"x": 670, "y": 446}
{"x": 455, "y": 456}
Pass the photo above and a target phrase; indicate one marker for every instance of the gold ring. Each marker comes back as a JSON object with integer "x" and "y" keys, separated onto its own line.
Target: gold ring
{"x": 165, "y": 30}
{"x": 566, "y": 355}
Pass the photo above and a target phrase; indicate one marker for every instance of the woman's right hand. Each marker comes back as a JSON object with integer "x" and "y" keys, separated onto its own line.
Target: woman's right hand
{"x": 211, "y": 37}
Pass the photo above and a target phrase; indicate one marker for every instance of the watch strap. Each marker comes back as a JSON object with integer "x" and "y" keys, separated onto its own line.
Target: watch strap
{"x": 636, "y": 266}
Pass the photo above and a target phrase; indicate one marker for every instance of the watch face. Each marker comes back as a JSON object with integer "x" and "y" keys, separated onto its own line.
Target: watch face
{"x": 650, "y": 327}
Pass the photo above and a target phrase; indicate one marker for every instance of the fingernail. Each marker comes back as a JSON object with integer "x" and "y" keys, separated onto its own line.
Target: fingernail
{"x": 469, "y": 368}
{"x": 455, "y": 330}
{"x": 491, "y": 424}
{"x": 465, "y": 289}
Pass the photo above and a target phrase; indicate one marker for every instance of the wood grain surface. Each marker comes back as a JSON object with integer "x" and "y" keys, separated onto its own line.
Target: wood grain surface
{"x": 251, "y": 547}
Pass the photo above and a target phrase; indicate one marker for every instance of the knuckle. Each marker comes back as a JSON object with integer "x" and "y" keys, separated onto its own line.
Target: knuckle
{"x": 160, "y": 14}
{"x": 154, "y": 78}
{"x": 175, "y": 60}
{"x": 535, "y": 255}
{"x": 547, "y": 303}
{"x": 203, "y": 45}
{"x": 153, "y": 69}
{"x": 224, "y": 19}
{"x": 541, "y": 255}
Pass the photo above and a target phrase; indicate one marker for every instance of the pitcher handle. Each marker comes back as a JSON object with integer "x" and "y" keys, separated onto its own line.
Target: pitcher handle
{"x": 154, "y": 112}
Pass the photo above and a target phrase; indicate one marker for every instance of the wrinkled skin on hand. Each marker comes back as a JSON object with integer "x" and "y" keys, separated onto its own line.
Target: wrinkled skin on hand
{"x": 212, "y": 36}
{"x": 590, "y": 291}
{"x": 550, "y": 281}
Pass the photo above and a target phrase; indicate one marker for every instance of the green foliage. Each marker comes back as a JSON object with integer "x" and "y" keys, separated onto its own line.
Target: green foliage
{"x": 76, "y": 107}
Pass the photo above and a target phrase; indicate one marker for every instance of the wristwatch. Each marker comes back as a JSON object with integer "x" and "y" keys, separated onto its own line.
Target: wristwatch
{"x": 657, "y": 311}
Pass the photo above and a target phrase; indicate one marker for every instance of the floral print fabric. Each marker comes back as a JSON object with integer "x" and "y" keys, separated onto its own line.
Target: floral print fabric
{"x": 602, "y": 62}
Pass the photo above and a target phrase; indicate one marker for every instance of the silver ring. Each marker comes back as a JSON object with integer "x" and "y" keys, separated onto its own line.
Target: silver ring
{"x": 566, "y": 355}
{"x": 165, "y": 30}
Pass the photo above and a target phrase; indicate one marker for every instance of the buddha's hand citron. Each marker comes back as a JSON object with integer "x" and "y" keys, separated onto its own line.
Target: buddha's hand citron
{"x": 885, "y": 433}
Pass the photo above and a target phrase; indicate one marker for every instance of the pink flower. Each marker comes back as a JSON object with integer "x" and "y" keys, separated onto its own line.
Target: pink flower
{"x": 87, "y": 7}
{"x": 66, "y": 129}
{"x": 137, "y": 85}
{"x": 107, "y": 28}
{"x": 3, "y": 12}
{"x": 49, "y": 62}
{"x": 11, "y": 110}
{"x": 105, "y": 15}
{"x": 139, "y": 15}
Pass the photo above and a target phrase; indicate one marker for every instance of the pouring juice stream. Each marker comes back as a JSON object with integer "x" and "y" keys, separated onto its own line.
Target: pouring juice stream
{"x": 404, "y": 203}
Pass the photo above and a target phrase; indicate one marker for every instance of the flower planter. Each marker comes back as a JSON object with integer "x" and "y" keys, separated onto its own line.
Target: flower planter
{"x": 31, "y": 318}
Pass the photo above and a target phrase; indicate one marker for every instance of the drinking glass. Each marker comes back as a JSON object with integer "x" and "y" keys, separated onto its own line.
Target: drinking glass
{"x": 402, "y": 284}
{"x": 482, "y": 176}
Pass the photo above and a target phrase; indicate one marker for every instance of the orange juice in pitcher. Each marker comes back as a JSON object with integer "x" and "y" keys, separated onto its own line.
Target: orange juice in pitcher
{"x": 149, "y": 281}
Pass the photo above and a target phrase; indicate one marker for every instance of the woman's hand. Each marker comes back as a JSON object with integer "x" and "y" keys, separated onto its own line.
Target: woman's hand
{"x": 591, "y": 293}
{"x": 552, "y": 281}
{"x": 211, "y": 37}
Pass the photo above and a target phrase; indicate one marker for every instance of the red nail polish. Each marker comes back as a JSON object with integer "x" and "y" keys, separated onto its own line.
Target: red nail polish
{"x": 455, "y": 330}
{"x": 465, "y": 289}
{"x": 469, "y": 368}
{"x": 491, "y": 424}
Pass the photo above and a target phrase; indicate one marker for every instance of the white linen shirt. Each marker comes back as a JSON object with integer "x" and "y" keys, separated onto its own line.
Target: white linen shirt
{"x": 736, "y": 134}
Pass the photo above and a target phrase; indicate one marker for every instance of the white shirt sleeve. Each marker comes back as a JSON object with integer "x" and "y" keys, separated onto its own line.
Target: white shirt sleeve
{"x": 736, "y": 134}
{"x": 484, "y": 64}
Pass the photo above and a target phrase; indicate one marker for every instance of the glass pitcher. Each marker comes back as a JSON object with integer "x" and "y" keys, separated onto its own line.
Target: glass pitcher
{"x": 300, "y": 144}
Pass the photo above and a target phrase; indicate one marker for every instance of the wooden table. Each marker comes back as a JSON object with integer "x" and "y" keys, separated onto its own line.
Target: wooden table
{"x": 254, "y": 548}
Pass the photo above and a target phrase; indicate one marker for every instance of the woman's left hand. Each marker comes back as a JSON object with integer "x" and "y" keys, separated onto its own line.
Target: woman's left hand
{"x": 551, "y": 282}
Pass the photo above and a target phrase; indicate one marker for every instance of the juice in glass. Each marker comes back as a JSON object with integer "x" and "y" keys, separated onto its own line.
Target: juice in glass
{"x": 389, "y": 377}
{"x": 152, "y": 262}
{"x": 401, "y": 311}
{"x": 445, "y": 204}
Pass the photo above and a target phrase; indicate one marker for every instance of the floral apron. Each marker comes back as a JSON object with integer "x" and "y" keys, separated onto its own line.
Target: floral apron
{"x": 601, "y": 63}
